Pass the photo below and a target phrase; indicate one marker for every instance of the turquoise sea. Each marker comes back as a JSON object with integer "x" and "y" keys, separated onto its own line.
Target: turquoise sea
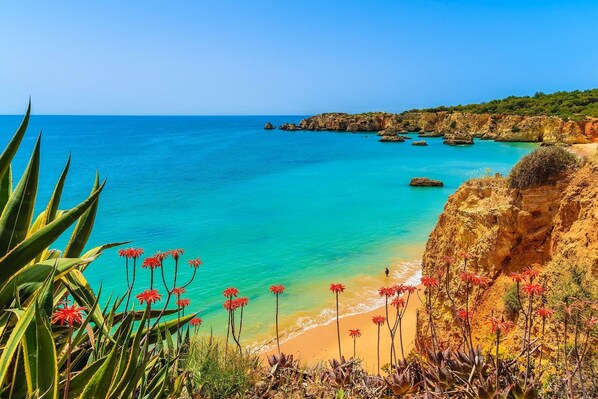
{"x": 302, "y": 209}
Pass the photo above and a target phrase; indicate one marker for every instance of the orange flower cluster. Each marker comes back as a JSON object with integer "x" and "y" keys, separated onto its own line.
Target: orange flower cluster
{"x": 337, "y": 288}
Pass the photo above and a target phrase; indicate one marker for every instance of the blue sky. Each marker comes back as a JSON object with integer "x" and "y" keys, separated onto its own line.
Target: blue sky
{"x": 300, "y": 57}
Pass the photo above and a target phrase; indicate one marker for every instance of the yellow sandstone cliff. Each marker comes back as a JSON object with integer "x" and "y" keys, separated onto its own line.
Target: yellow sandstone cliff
{"x": 553, "y": 227}
{"x": 546, "y": 129}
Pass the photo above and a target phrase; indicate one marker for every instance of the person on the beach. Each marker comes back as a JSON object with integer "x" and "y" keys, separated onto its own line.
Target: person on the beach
{"x": 386, "y": 272}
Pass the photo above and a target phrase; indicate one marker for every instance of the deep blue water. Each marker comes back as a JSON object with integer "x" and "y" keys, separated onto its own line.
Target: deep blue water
{"x": 260, "y": 207}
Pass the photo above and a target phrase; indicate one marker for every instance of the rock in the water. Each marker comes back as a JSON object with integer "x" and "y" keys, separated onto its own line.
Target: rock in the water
{"x": 269, "y": 126}
{"x": 289, "y": 126}
{"x": 420, "y": 143}
{"x": 391, "y": 139}
{"x": 458, "y": 138}
{"x": 425, "y": 182}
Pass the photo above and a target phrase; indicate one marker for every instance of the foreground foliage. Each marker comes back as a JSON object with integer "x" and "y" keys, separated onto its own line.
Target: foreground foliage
{"x": 48, "y": 348}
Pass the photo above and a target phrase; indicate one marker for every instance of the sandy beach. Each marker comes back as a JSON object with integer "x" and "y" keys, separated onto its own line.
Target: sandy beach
{"x": 587, "y": 150}
{"x": 319, "y": 344}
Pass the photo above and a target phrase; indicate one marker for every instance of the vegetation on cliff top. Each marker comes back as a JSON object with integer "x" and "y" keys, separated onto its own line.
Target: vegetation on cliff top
{"x": 540, "y": 166}
{"x": 567, "y": 104}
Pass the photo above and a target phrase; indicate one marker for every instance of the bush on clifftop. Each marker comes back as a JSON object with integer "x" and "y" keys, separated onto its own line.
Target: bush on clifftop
{"x": 540, "y": 167}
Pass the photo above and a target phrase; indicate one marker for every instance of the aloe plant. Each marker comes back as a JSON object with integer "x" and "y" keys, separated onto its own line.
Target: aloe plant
{"x": 103, "y": 356}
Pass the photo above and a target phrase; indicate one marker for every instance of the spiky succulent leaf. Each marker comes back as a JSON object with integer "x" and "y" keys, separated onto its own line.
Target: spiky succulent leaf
{"x": 18, "y": 212}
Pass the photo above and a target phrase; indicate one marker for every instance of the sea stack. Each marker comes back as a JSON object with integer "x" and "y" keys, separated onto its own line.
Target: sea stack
{"x": 269, "y": 126}
{"x": 425, "y": 182}
{"x": 392, "y": 139}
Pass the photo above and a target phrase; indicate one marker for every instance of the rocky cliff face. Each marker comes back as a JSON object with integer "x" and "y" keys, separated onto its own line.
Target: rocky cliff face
{"x": 547, "y": 129}
{"x": 505, "y": 230}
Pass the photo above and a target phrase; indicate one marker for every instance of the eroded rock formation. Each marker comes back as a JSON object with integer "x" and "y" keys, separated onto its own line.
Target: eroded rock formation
{"x": 505, "y": 230}
{"x": 547, "y": 129}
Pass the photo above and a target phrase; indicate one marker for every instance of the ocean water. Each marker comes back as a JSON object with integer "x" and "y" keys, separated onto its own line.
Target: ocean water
{"x": 302, "y": 209}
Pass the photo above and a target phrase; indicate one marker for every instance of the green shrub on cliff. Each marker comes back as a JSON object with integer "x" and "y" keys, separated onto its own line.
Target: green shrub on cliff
{"x": 540, "y": 167}
{"x": 573, "y": 104}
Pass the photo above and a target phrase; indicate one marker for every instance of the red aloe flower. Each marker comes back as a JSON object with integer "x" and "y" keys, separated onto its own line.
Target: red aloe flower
{"x": 400, "y": 289}
{"x": 230, "y": 292}
{"x": 161, "y": 255}
{"x": 135, "y": 252}
{"x": 196, "y": 322}
{"x": 531, "y": 288}
{"x": 178, "y": 291}
{"x": 277, "y": 289}
{"x": 148, "y": 296}
{"x": 475, "y": 279}
{"x": 387, "y": 291}
{"x": 482, "y": 281}
{"x": 531, "y": 273}
{"x": 398, "y": 302}
{"x": 151, "y": 262}
{"x": 183, "y": 303}
{"x": 195, "y": 262}
{"x": 69, "y": 314}
{"x": 517, "y": 277}
{"x": 464, "y": 314}
{"x": 545, "y": 312}
{"x": 429, "y": 282}
{"x": 337, "y": 288}
{"x": 241, "y": 302}
{"x": 230, "y": 305}
{"x": 409, "y": 288}
{"x": 379, "y": 320}
{"x": 131, "y": 253}
{"x": 466, "y": 255}
{"x": 355, "y": 333}
{"x": 176, "y": 253}
{"x": 466, "y": 277}
{"x": 500, "y": 325}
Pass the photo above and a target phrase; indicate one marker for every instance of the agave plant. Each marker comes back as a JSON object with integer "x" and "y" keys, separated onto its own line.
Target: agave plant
{"x": 109, "y": 354}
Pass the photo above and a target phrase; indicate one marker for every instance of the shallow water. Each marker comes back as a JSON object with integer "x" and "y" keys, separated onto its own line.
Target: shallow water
{"x": 301, "y": 209}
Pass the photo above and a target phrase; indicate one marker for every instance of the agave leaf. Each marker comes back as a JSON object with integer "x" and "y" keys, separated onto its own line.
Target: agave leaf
{"x": 29, "y": 347}
{"x": 57, "y": 194}
{"x": 158, "y": 382}
{"x": 47, "y": 372}
{"x": 5, "y": 188}
{"x": 12, "y": 344}
{"x": 30, "y": 278}
{"x": 83, "y": 228}
{"x": 81, "y": 379}
{"x": 18, "y": 212}
{"x": 129, "y": 381}
{"x": 170, "y": 326}
{"x": 94, "y": 252}
{"x": 98, "y": 385}
{"x": 12, "y": 147}
{"x": 28, "y": 249}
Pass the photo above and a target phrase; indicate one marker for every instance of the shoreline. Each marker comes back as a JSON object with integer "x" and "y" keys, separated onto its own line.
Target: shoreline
{"x": 318, "y": 344}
